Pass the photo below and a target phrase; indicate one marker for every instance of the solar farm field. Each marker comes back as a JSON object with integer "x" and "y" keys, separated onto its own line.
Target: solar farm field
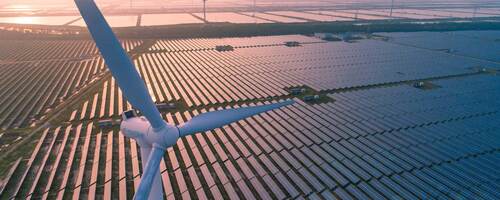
{"x": 257, "y": 16}
{"x": 484, "y": 46}
{"x": 400, "y": 116}
{"x": 37, "y": 76}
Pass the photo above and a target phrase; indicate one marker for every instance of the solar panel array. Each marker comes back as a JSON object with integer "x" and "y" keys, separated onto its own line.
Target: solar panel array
{"x": 22, "y": 50}
{"x": 381, "y": 137}
{"x": 206, "y": 77}
{"x": 465, "y": 43}
{"x": 250, "y": 17}
{"x": 37, "y": 76}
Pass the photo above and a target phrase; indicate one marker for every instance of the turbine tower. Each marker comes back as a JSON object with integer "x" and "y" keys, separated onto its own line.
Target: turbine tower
{"x": 151, "y": 132}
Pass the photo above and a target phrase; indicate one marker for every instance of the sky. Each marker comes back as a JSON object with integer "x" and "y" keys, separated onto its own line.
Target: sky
{"x": 24, "y": 5}
{"x": 36, "y": 11}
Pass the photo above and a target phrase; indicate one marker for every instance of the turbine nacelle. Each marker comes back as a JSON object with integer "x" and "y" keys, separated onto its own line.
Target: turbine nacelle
{"x": 146, "y": 136}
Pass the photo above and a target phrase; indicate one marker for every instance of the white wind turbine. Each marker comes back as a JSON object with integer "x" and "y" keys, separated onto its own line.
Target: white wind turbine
{"x": 152, "y": 133}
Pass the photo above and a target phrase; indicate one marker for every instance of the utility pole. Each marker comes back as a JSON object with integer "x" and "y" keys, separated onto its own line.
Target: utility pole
{"x": 254, "y": 7}
{"x": 474, "y": 13}
{"x": 392, "y": 6}
{"x": 205, "y": 10}
{"x": 357, "y": 11}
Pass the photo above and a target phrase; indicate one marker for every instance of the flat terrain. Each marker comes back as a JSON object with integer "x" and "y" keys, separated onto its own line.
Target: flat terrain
{"x": 261, "y": 16}
{"x": 377, "y": 136}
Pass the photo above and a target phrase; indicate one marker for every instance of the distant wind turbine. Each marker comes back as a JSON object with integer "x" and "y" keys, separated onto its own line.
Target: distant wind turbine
{"x": 151, "y": 132}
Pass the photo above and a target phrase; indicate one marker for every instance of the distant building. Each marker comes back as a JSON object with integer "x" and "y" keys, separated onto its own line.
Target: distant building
{"x": 310, "y": 98}
{"x": 327, "y": 36}
{"x": 296, "y": 91}
{"x": 292, "y": 44}
{"x": 224, "y": 48}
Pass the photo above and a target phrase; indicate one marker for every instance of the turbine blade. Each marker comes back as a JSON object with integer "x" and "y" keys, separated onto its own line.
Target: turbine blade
{"x": 210, "y": 120}
{"x": 149, "y": 173}
{"x": 119, "y": 63}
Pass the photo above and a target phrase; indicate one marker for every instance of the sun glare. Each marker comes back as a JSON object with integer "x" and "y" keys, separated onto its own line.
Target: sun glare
{"x": 25, "y": 20}
{"x": 19, "y": 7}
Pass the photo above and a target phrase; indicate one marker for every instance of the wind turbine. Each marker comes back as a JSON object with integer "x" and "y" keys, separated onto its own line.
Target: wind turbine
{"x": 151, "y": 132}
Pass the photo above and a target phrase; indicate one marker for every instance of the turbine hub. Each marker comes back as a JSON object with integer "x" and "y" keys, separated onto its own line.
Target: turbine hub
{"x": 164, "y": 137}
{"x": 141, "y": 130}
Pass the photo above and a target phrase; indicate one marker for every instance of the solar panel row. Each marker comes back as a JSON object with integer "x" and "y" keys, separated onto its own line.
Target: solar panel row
{"x": 211, "y": 43}
{"x": 21, "y": 50}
